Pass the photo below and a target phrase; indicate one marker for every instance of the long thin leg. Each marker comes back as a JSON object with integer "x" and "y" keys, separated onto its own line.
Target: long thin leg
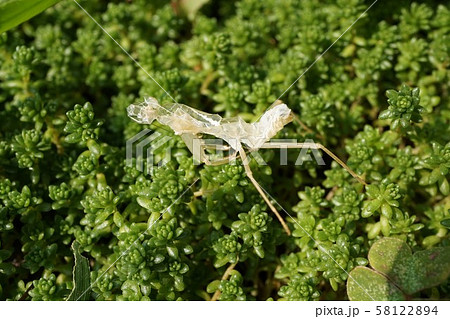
{"x": 221, "y": 161}
{"x": 261, "y": 192}
{"x": 241, "y": 153}
{"x": 303, "y": 125}
{"x": 315, "y": 146}
{"x": 217, "y": 147}
{"x": 224, "y": 160}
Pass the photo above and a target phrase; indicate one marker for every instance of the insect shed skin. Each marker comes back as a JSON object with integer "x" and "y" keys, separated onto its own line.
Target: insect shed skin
{"x": 183, "y": 119}
{"x": 191, "y": 124}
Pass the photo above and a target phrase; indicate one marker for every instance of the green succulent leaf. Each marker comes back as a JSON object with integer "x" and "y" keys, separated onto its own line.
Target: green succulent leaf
{"x": 446, "y": 223}
{"x": 81, "y": 276}
{"x": 365, "y": 284}
{"x": 394, "y": 266}
{"x": 412, "y": 273}
{"x": 14, "y": 12}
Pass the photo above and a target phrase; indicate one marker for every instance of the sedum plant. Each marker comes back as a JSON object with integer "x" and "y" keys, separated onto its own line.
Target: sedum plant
{"x": 80, "y": 222}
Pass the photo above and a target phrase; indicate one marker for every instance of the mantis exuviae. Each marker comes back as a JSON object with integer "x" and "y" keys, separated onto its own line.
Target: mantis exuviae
{"x": 240, "y": 136}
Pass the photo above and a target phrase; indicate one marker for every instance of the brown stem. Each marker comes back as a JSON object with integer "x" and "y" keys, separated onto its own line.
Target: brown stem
{"x": 25, "y": 294}
{"x": 331, "y": 193}
{"x": 209, "y": 78}
{"x": 225, "y": 276}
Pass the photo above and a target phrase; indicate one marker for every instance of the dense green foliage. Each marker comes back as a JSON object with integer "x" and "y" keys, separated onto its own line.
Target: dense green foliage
{"x": 378, "y": 98}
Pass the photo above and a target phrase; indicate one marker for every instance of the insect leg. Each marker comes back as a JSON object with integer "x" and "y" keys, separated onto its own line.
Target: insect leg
{"x": 218, "y": 147}
{"x": 303, "y": 125}
{"x": 218, "y": 161}
{"x": 315, "y": 146}
{"x": 261, "y": 192}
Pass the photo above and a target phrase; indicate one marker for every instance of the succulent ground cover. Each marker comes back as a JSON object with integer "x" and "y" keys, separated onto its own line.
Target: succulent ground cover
{"x": 77, "y": 222}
